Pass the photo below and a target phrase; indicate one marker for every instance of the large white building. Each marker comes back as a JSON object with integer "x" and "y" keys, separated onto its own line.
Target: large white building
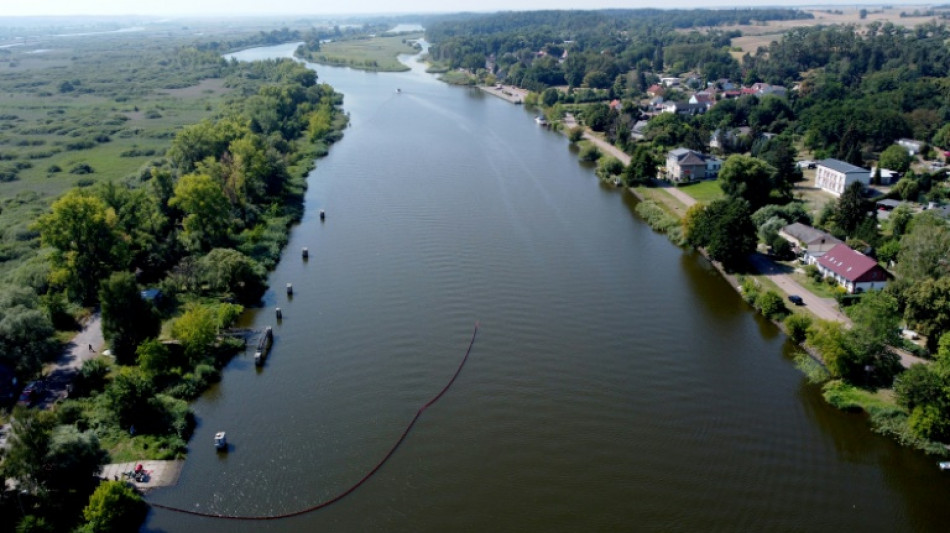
{"x": 834, "y": 176}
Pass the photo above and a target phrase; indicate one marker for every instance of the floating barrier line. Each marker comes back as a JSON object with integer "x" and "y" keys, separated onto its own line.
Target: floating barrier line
{"x": 356, "y": 485}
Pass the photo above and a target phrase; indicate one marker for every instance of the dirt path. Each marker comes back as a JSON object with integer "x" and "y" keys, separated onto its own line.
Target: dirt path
{"x": 570, "y": 122}
{"x": 86, "y": 345}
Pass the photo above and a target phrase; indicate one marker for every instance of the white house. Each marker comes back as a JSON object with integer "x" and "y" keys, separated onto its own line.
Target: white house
{"x": 834, "y": 176}
{"x": 684, "y": 165}
{"x": 852, "y": 270}
{"x": 913, "y": 147}
{"x": 811, "y": 243}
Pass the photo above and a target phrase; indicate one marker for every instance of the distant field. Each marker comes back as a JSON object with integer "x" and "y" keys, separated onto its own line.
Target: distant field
{"x": 754, "y": 36}
{"x": 372, "y": 53}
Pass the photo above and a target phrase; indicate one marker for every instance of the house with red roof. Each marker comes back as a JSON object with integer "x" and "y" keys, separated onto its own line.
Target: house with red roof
{"x": 852, "y": 270}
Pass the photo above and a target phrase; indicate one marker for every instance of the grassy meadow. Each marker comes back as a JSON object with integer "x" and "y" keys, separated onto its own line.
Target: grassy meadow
{"x": 377, "y": 52}
{"x": 82, "y": 110}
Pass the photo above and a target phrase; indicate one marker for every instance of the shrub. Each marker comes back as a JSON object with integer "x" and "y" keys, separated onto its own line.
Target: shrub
{"x": 114, "y": 507}
{"x": 797, "y": 327}
{"x": 576, "y": 134}
{"x": 771, "y": 305}
{"x": 81, "y": 168}
{"x": 814, "y": 371}
{"x": 590, "y": 153}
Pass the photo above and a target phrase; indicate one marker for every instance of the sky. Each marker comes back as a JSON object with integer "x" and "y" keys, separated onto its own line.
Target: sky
{"x": 325, "y": 7}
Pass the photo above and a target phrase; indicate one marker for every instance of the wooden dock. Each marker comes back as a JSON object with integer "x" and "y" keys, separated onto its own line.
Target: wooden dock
{"x": 160, "y": 473}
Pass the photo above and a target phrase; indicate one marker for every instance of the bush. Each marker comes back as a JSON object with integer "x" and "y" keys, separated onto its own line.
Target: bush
{"x": 114, "y": 507}
{"x": 576, "y": 134}
{"x": 771, "y": 305}
{"x": 590, "y": 153}
{"x": 750, "y": 290}
{"x": 81, "y": 168}
{"x": 797, "y": 327}
{"x": 814, "y": 371}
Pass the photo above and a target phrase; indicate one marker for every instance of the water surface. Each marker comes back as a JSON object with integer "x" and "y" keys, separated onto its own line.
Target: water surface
{"x": 617, "y": 384}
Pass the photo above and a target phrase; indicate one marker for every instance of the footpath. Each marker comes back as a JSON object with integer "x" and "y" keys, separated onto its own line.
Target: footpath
{"x": 87, "y": 344}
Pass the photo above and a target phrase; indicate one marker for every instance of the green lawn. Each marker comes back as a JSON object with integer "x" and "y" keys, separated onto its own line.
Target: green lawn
{"x": 704, "y": 191}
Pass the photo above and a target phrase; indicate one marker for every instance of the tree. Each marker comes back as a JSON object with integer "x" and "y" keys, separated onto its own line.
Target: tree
{"x": 748, "y": 178}
{"x": 130, "y": 396}
{"x": 230, "y": 272}
{"x": 29, "y": 442}
{"x": 896, "y": 158}
{"x": 549, "y": 97}
{"x": 87, "y": 244}
{"x": 127, "y": 319}
{"x": 197, "y": 329}
{"x": 924, "y": 249}
{"x": 642, "y": 167}
{"x": 72, "y": 460}
{"x": 26, "y": 339}
{"x": 207, "y": 212}
{"x": 114, "y": 507}
{"x": 797, "y": 326}
{"x": 771, "y": 305}
{"x": 919, "y": 385}
{"x": 927, "y": 308}
{"x": 725, "y": 228}
{"x": 851, "y": 209}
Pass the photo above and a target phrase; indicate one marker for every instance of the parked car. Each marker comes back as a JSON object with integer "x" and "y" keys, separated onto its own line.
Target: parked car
{"x": 796, "y": 299}
{"x": 31, "y": 393}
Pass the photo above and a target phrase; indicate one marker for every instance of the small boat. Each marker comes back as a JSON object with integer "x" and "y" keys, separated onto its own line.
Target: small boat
{"x": 220, "y": 441}
{"x": 541, "y": 120}
{"x": 944, "y": 465}
{"x": 398, "y": 90}
{"x": 263, "y": 346}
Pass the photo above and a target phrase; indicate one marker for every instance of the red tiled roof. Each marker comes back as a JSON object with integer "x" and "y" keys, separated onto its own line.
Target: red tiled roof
{"x": 852, "y": 265}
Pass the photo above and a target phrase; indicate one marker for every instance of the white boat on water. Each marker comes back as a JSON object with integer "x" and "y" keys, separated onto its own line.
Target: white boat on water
{"x": 220, "y": 441}
{"x": 541, "y": 120}
{"x": 944, "y": 465}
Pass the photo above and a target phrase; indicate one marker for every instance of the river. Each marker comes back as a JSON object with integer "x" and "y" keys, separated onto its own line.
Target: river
{"x": 617, "y": 383}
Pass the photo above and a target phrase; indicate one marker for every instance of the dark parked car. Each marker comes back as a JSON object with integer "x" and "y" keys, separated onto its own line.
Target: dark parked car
{"x": 796, "y": 299}
{"x": 31, "y": 393}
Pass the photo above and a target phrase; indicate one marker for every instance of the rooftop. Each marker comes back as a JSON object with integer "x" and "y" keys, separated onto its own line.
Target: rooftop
{"x": 841, "y": 166}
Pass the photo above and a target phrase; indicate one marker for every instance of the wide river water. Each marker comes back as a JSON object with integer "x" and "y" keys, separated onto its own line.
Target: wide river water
{"x": 617, "y": 383}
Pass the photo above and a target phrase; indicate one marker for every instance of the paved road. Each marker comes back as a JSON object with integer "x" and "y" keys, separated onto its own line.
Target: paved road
{"x": 86, "y": 345}
{"x": 825, "y": 308}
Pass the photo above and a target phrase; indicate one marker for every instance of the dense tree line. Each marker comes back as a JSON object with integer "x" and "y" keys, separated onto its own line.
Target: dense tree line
{"x": 202, "y": 226}
{"x": 600, "y": 45}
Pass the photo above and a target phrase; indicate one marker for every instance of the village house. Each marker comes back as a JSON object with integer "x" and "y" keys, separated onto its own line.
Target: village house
{"x": 638, "y": 132}
{"x": 671, "y": 82}
{"x": 763, "y": 89}
{"x": 852, "y": 270}
{"x": 913, "y": 147}
{"x": 684, "y": 165}
{"x": 888, "y": 177}
{"x": 684, "y": 108}
{"x": 810, "y": 243}
{"x": 656, "y": 90}
{"x": 703, "y": 97}
{"x": 835, "y": 176}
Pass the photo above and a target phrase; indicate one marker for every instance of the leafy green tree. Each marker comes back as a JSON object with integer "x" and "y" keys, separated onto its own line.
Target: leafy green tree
{"x": 29, "y": 442}
{"x": 919, "y": 385}
{"x": 26, "y": 340}
{"x": 87, "y": 244}
{"x": 155, "y": 359}
{"x": 896, "y": 158}
{"x": 876, "y": 319}
{"x": 549, "y": 97}
{"x": 197, "y": 329}
{"x": 642, "y": 167}
{"x": 91, "y": 378}
{"x": 73, "y": 459}
{"x": 927, "y": 308}
{"x": 227, "y": 271}
{"x": 899, "y": 220}
{"x": 852, "y": 209}
{"x": 127, "y": 319}
{"x": 748, "y": 178}
{"x": 924, "y": 249}
{"x": 114, "y": 507}
{"x": 724, "y": 228}
{"x": 207, "y": 212}
{"x": 130, "y": 396}
{"x": 942, "y": 137}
